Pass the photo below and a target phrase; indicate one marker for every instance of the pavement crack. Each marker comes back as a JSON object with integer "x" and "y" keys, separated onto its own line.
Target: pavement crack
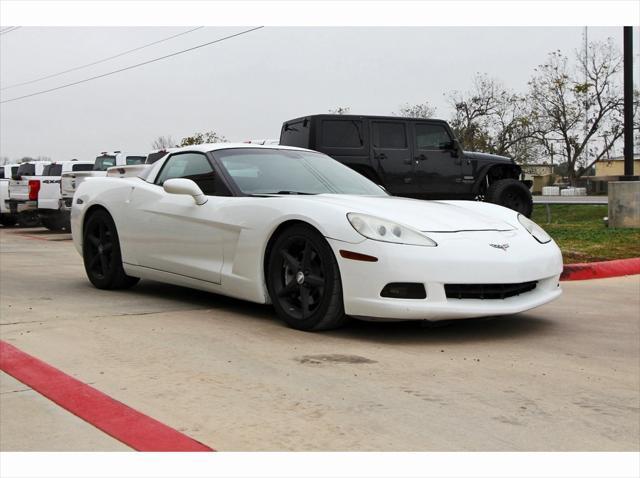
{"x": 24, "y": 322}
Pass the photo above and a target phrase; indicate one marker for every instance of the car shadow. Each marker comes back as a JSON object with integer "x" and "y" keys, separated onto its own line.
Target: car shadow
{"x": 392, "y": 333}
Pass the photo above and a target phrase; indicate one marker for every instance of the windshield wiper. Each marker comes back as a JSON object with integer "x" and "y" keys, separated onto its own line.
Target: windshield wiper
{"x": 293, "y": 192}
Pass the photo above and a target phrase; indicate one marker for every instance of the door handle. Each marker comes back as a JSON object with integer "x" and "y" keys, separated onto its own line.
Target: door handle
{"x": 380, "y": 156}
{"x": 421, "y": 157}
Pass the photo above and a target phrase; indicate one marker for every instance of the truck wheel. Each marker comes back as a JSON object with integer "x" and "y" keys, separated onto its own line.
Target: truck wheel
{"x": 511, "y": 193}
{"x": 55, "y": 223}
{"x": 101, "y": 253}
{"x": 8, "y": 220}
{"x": 28, "y": 219}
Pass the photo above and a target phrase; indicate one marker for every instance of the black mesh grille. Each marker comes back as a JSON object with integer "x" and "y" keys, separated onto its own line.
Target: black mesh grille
{"x": 487, "y": 291}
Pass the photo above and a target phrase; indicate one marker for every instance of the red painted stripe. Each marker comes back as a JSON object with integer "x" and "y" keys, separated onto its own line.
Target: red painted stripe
{"x": 601, "y": 270}
{"x": 123, "y": 423}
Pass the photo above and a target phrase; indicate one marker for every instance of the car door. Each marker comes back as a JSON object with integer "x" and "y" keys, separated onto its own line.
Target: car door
{"x": 438, "y": 170}
{"x": 173, "y": 233}
{"x": 392, "y": 155}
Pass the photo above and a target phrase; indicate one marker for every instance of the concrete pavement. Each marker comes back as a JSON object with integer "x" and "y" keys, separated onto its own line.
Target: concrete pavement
{"x": 562, "y": 377}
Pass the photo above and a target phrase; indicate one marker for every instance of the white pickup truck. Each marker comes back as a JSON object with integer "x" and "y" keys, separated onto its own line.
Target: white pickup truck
{"x": 50, "y": 208}
{"x": 70, "y": 181}
{"x": 23, "y": 193}
{"x": 7, "y": 218}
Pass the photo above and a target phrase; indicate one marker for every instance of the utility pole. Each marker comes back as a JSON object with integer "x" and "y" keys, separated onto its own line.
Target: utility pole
{"x": 628, "y": 102}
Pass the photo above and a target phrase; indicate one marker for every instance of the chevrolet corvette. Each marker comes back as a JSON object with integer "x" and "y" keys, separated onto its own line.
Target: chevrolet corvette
{"x": 297, "y": 229}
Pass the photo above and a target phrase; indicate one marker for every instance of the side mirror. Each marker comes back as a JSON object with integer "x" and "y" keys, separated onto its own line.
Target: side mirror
{"x": 185, "y": 186}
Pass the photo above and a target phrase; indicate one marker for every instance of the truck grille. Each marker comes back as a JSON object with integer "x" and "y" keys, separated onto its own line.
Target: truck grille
{"x": 487, "y": 291}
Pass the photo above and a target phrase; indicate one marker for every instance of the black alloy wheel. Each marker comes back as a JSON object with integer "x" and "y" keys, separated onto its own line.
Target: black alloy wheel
{"x": 101, "y": 253}
{"x": 304, "y": 281}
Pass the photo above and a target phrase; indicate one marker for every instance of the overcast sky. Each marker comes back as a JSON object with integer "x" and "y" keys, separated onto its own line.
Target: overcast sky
{"x": 247, "y": 86}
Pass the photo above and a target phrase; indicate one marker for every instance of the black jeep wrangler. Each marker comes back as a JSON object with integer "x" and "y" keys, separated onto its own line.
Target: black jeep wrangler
{"x": 418, "y": 158}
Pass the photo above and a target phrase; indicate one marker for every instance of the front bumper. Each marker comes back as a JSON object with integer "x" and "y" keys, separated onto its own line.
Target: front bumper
{"x": 459, "y": 258}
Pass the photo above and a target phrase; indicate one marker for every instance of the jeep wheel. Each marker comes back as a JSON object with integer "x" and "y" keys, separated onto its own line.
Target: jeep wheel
{"x": 511, "y": 193}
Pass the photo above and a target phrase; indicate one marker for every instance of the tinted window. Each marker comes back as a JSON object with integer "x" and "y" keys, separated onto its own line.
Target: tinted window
{"x": 153, "y": 157}
{"x": 82, "y": 167}
{"x": 389, "y": 135}
{"x": 135, "y": 160}
{"x": 27, "y": 170}
{"x": 1, "y": 173}
{"x": 342, "y": 134}
{"x": 104, "y": 162}
{"x": 273, "y": 171}
{"x": 295, "y": 133}
{"x": 52, "y": 170}
{"x": 432, "y": 136}
{"x": 192, "y": 166}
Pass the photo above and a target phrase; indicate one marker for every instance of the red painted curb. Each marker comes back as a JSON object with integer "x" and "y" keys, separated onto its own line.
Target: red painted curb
{"x": 601, "y": 270}
{"x": 123, "y": 423}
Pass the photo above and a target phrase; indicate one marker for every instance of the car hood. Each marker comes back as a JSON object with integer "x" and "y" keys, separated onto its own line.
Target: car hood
{"x": 426, "y": 216}
{"x": 494, "y": 158}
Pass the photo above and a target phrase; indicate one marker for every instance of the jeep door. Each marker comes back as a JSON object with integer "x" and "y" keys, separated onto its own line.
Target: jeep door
{"x": 438, "y": 169}
{"x": 391, "y": 154}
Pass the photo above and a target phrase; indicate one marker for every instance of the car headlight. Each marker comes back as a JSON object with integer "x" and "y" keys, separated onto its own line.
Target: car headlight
{"x": 387, "y": 231}
{"x": 536, "y": 231}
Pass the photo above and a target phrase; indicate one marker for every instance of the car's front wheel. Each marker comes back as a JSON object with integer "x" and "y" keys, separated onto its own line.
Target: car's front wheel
{"x": 303, "y": 280}
{"x": 101, "y": 253}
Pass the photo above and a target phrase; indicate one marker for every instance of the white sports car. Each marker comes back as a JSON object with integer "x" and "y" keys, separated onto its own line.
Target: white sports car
{"x": 293, "y": 227}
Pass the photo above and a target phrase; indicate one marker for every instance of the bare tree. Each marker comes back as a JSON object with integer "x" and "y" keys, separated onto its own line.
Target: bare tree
{"x": 163, "y": 142}
{"x": 579, "y": 108}
{"x": 340, "y": 110}
{"x": 493, "y": 119}
{"x": 201, "y": 138}
{"x": 420, "y": 110}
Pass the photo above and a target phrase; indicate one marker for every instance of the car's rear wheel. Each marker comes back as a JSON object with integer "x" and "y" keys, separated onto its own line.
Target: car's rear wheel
{"x": 303, "y": 280}
{"x": 8, "y": 220}
{"x": 101, "y": 253}
{"x": 28, "y": 219}
{"x": 511, "y": 193}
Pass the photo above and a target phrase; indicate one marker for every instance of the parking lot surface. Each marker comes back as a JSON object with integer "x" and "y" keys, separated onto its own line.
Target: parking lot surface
{"x": 562, "y": 377}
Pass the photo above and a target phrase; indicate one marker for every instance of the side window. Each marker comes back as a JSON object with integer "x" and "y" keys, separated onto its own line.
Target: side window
{"x": 52, "y": 170}
{"x": 432, "y": 136}
{"x": 130, "y": 160}
{"x": 342, "y": 134}
{"x": 82, "y": 167}
{"x": 194, "y": 166}
{"x": 389, "y": 135}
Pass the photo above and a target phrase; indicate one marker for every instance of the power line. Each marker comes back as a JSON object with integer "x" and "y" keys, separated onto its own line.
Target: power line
{"x": 132, "y": 66}
{"x": 99, "y": 61}
{"x": 8, "y": 30}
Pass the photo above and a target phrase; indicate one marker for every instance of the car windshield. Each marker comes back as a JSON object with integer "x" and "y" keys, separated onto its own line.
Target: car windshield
{"x": 103, "y": 162}
{"x": 280, "y": 171}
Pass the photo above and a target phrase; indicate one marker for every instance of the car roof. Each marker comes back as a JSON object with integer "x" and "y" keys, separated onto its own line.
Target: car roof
{"x": 207, "y": 147}
{"x": 360, "y": 117}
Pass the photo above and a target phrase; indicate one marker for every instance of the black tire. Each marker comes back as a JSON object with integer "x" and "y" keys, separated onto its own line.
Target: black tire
{"x": 56, "y": 222}
{"x": 303, "y": 280}
{"x": 511, "y": 193}
{"x": 8, "y": 220}
{"x": 101, "y": 253}
{"x": 28, "y": 219}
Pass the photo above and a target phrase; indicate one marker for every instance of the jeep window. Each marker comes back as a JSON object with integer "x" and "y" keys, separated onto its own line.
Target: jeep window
{"x": 27, "y": 170}
{"x": 342, "y": 134}
{"x": 389, "y": 135}
{"x": 295, "y": 133}
{"x": 104, "y": 162}
{"x": 432, "y": 136}
{"x": 135, "y": 160}
{"x": 52, "y": 170}
{"x": 82, "y": 167}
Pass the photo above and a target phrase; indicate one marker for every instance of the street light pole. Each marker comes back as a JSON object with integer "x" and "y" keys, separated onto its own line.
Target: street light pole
{"x": 628, "y": 102}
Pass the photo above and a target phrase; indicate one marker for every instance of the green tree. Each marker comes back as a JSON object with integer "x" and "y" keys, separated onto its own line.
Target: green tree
{"x": 340, "y": 110}
{"x": 201, "y": 138}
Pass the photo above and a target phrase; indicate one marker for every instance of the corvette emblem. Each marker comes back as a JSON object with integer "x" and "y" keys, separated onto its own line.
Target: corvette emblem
{"x": 504, "y": 247}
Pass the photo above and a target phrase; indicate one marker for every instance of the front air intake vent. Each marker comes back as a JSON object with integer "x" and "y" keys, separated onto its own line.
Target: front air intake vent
{"x": 404, "y": 290}
{"x": 487, "y": 291}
